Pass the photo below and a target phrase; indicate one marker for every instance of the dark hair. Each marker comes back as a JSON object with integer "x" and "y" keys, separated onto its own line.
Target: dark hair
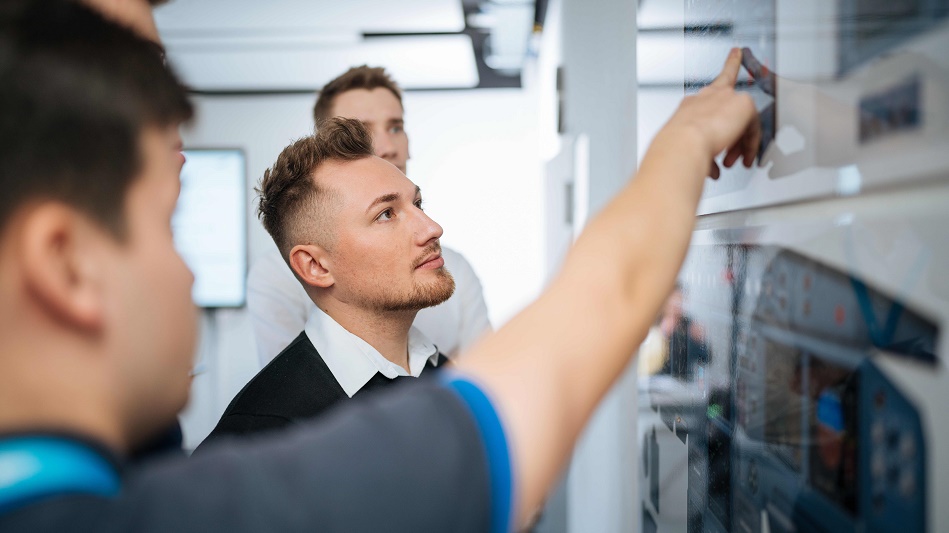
{"x": 76, "y": 93}
{"x": 363, "y": 77}
{"x": 288, "y": 189}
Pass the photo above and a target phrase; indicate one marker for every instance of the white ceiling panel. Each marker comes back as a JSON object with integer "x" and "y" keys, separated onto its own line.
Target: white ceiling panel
{"x": 247, "y": 17}
{"x": 291, "y": 45}
{"x": 429, "y": 62}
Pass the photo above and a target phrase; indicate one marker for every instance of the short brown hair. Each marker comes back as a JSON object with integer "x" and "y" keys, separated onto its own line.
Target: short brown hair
{"x": 76, "y": 93}
{"x": 288, "y": 189}
{"x": 362, "y": 77}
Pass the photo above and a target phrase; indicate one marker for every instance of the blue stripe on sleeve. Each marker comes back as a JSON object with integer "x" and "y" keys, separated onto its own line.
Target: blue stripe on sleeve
{"x": 495, "y": 444}
{"x": 33, "y": 468}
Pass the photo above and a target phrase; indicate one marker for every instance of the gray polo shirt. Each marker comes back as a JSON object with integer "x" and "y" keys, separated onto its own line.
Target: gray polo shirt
{"x": 416, "y": 459}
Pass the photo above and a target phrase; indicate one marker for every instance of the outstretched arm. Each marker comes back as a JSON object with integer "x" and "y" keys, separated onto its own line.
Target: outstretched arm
{"x": 547, "y": 369}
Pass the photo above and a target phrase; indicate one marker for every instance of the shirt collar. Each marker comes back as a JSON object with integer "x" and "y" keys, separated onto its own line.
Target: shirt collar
{"x": 354, "y": 361}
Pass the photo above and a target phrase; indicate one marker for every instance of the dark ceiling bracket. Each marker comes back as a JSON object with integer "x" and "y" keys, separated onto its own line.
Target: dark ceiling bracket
{"x": 488, "y": 78}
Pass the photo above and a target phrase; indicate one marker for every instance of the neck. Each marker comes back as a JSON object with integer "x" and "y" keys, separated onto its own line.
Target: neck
{"x": 55, "y": 377}
{"x": 64, "y": 401}
{"x": 386, "y": 331}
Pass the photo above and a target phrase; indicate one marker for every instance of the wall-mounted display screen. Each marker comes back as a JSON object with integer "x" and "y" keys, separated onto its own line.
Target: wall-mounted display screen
{"x": 210, "y": 225}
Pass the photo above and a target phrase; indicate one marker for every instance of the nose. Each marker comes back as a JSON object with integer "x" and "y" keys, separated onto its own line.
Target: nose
{"x": 428, "y": 230}
{"x": 383, "y": 145}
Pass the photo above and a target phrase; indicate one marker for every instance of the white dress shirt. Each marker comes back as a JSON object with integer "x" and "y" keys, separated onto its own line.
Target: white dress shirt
{"x": 279, "y": 308}
{"x": 354, "y": 361}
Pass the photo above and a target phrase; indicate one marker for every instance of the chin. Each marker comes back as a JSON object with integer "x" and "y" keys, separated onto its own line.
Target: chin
{"x": 173, "y": 405}
{"x": 183, "y": 400}
{"x": 441, "y": 290}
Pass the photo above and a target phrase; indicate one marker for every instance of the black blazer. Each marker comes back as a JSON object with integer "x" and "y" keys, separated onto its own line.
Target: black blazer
{"x": 296, "y": 385}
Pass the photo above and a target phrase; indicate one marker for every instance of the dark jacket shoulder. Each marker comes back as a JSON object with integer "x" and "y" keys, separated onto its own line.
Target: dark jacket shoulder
{"x": 296, "y": 385}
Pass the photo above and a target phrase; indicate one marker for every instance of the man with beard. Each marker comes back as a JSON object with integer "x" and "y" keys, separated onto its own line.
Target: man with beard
{"x": 278, "y": 305}
{"x": 351, "y": 227}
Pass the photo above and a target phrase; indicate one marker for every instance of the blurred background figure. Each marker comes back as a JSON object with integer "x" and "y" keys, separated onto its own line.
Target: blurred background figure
{"x": 676, "y": 344}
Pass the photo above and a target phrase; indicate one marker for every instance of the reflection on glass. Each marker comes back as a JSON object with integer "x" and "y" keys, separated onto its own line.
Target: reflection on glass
{"x": 783, "y": 405}
{"x": 676, "y": 344}
{"x": 800, "y": 378}
{"x": 833, "y": 432}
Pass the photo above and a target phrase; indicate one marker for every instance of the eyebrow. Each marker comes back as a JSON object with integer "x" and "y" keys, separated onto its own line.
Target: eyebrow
{"x": 390, "y": 122}
{"x": 391, "y": 197}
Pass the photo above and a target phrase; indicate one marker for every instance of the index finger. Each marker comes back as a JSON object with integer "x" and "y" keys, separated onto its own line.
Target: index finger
{"x": 729, "y": 75}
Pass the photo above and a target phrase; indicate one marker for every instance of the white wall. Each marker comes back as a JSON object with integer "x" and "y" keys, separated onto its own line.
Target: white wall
{"x": 475, "y": 155}
{"x": 656, "y": 106}
{"x": 261, "y": 126}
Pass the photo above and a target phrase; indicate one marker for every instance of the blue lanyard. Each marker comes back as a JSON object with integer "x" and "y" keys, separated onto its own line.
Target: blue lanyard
{"x": 34, "y": 467}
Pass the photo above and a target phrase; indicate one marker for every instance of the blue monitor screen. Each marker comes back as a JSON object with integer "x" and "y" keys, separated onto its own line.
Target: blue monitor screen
{"x": 210, "y": 225}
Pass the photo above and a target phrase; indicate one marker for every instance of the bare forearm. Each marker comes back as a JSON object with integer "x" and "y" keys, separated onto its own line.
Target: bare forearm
{"x": 551, "y": 365}
{"x": 548, "y": 368}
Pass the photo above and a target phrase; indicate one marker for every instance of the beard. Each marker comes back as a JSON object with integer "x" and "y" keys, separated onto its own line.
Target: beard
{"x": 420, "y": 296}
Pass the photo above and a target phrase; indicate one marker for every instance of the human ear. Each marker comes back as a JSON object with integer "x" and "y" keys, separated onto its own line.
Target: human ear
{"x": 311, "y": 263}
{"x": 61, "y": 254}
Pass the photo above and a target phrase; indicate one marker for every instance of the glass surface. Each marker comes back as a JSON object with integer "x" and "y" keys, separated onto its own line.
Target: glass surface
{"x": 764, "y": 409}
{"x": 794, "y": 379}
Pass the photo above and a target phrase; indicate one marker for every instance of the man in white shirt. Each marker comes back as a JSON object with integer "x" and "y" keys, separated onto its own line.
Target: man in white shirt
{"x": 352, "y": 228}
{"x": 278, "y": 305}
